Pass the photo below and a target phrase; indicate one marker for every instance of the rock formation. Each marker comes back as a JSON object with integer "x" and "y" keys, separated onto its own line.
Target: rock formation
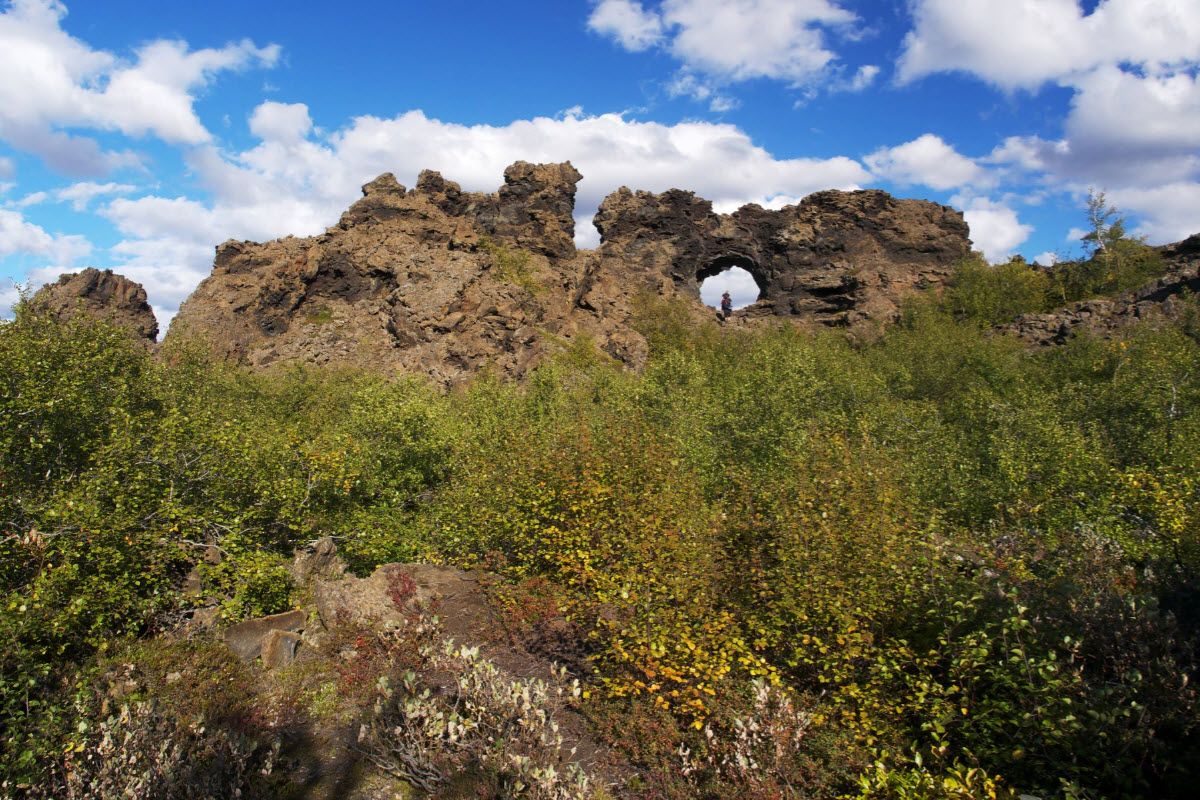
{"x": 103, "y": 295}
{"x": 835, "y": 258}
{"x": 446, "y": 283}
{"x": 1158, "y": 299}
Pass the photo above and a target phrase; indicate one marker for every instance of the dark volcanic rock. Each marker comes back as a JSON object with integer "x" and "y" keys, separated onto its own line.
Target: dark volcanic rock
{"x": 103, "y": 295}
{"x": 447, "y": 283}
{"x": 535, "y": 208}
{"x": 835, "y": 258}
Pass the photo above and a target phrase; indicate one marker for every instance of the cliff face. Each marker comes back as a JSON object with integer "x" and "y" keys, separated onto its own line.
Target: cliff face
{"x": 447, "y": 283}
{"x": 103, "y": 295}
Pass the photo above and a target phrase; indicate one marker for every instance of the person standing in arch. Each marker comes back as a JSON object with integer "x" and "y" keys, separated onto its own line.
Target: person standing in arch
{"x": 726, "y": 306}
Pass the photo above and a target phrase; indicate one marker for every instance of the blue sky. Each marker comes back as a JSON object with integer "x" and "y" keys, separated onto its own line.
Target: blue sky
{"x": 138, "y": 135}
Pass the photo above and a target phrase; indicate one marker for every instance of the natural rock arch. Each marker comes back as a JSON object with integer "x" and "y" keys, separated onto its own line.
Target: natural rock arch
{"x": 722, "y": 264}
{"x": 834, "y": 258}
{"x": 447, "y": 283}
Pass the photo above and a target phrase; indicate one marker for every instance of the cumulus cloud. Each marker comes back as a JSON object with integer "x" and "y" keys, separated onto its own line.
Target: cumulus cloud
{"x": 283, "y": 122}
{"x": 1027, "y": 43}
{"x": 735, "y": 40}
{"x": 995, "y": 229}
{"x": 926, "y": 160}
{"x": 298, "y": 181}
{"x": 1132, "y": 66}
{"x": 628, "y": 23}
{"x": 1168, "y": 213}
{"x": 54, "y": 82}
{"x": 21, "y": 237}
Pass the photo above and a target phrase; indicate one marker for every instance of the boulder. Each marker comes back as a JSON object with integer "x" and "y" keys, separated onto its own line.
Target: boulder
{"x": 318, "y": 560}
{"x": 398, "y": 592}
{"x": 246, "y": 639}
{"x": 279, "y": 649}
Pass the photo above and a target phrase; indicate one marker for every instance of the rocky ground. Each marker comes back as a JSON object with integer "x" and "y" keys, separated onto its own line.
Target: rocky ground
{"x": 329, "y": 752}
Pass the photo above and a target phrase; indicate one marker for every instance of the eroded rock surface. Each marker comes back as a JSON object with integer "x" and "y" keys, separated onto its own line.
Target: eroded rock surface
{"x": 835, "y": 258}
{"x": 396, "y": 592}
{"x": 447, "y": 283}
{"x": 103, "y": 295}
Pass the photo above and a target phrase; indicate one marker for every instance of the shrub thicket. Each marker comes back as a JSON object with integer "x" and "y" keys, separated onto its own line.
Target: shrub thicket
{"x": 934, "y": 564}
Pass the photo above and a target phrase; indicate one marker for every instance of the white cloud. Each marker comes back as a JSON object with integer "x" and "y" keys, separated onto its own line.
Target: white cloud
{"x": 1046, "y": 259}
{"x": 1027, "y": 43}
{"x": 864, "y": 77}
{"x": 628, "y": 23}
{"x": 1132, "y": 67}
{"x": 995, "y": 230}
{"x": 286, "y": 122}
{"x": 1126, "y": 129}
{"x": 1169, "y": 213}
{"x": 686, "y": 84}
{"x": 32, "y": 199}
{"x": 8, "y": 170}
{"x": 82, "y": 193}
{"x": 734, "y": 40}
{"x": 718, "y": 161}
{"x": 54, "y": 81}
{"x": 743, "y": 39}
{"x": 18, "y": 236}
{"x": 721, "y": 104}
{"x": 154, "y": 96}
{"x": 926, "y": 160}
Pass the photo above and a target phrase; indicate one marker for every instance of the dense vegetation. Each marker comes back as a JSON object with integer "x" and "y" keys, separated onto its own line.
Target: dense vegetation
{"x": 927, "y": 563}
{"x": 1115, "y": 262}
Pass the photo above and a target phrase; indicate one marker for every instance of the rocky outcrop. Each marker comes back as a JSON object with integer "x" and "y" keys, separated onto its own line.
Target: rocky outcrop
{"x": 447, "y": 283}
{"x": 432, "y": 281}
{"x": 1158, "y": 300}
{"x": 835, "y": 258}
{"x": 102, "y": 295}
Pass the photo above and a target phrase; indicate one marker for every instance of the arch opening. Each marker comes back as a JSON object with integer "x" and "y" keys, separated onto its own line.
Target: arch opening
{"x": 732, "y": 274}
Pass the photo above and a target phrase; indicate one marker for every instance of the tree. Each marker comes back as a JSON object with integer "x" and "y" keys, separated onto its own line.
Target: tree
{"x": 1116, "y": 261}
{"x": 1107, "y": 232}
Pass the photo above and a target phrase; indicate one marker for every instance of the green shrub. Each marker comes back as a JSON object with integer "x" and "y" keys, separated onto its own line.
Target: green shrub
{"x": 993, "y": 295}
